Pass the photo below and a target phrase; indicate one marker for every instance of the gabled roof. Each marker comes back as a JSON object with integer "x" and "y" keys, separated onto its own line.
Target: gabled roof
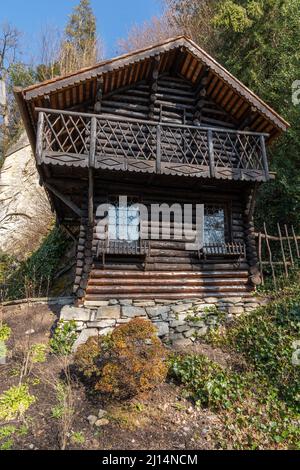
{"x": 179, "y": 56}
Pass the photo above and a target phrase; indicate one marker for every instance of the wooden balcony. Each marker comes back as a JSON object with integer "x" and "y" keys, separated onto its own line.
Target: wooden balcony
{"x": 112, "y": 143}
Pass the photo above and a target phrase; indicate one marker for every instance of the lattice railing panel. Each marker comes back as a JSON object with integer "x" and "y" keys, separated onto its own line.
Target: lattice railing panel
{"x": 150, "y": 146}
{"x": 240, "y": 151}
{"x": 66, "y": 133}
{"x": 128, "y": 140}
{"x": 184, "y": 145}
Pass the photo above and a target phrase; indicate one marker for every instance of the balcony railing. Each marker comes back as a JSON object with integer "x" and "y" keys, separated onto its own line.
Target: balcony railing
{"x": 87, "y": 140}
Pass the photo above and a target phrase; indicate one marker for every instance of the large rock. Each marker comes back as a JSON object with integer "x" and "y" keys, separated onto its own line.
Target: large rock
{"x": 132, "y": 312}
{"x": 162, "y": 328}
{"x": 25, "y": 213}
{"x": 157, "y": 311}
{"x": 110, "y": 312}
{"x": 74, "y": 313}
{"x": 83, "y": 337}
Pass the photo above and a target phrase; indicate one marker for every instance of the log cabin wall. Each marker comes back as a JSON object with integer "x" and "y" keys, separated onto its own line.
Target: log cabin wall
{"x": 166, "y": 99}
{"x": 168, "y": 271}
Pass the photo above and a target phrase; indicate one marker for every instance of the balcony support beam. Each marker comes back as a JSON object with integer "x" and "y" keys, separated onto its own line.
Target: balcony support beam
{"x": 64, "y": 199}
{"x": 91, "y": 197}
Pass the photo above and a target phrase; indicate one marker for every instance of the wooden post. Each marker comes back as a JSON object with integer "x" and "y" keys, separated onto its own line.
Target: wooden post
{"x": 270, "y": 256}
{"x": 91, "y": 197}
{"x": 158, "y": 149}
{"x": 282, "y": 251}
{"x": 289, "y": 244}
{"x": 40, "y": 136}
{"x": 211, "y": 153}
{"x": 260, "y": 258}
{"x": 296, "y": 242}
{"x": 93, "y": 135}
{"x": 264, "y": 157}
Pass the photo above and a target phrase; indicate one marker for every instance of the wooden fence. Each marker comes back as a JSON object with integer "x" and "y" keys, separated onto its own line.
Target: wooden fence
{"x": 278, "y": 254}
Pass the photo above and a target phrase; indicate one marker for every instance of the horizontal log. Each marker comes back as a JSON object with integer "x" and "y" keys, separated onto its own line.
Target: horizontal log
{"x": 164, "y": 296}
{"x": 164, "y": 288}
{"x": 97, "y": 273}
{"x": 119, "y": 282}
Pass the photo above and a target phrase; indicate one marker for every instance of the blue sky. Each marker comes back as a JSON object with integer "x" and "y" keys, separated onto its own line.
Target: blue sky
{"x": 114, "y": 17}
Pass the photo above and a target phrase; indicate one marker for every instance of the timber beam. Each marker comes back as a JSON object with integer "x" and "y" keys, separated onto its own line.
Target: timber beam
{"x": 201, "y": 94}
{"x": 99, "y": 95}
{"x": 64, "y": 199}
{"x": 154, "y": 87}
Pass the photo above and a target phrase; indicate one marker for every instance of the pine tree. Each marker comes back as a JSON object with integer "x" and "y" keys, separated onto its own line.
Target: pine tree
{"x": 79, "y": 48}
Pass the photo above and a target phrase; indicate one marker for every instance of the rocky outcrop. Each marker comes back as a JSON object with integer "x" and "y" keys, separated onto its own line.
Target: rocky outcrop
{"x": 25, "y": 212}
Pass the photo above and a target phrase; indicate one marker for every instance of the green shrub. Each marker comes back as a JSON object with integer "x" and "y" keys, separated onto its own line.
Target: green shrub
{"x": 38, "y": 353}
{"x": 206, "y": 382}
{"x": 64, "y": 338}
{"x": 77, "y": 438}
{"x": 129, "y": 361}
{"x": 250, "y": 411}
{"x": 7, "y": 445}
{"x": 14, "y": 402}
{"x": 33, "y": 277}
{"x": 7, "y": 431}
{"x": 265, "y": 338}
{"x": 5, "y": 332}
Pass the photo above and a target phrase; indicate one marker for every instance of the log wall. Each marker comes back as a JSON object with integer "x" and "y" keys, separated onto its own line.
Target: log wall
{"x": 169, "y": 272}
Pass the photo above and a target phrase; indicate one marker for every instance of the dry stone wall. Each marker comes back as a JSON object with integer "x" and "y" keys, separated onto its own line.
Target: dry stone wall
{"x": 184, "y": 320}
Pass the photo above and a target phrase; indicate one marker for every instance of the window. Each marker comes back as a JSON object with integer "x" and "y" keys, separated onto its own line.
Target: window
{"x": 123, "y": 223}
{"x": 214, "y": 225}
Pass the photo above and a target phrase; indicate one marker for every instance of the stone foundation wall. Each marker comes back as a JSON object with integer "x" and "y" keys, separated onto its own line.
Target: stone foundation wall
{"x": 183, "y": 320}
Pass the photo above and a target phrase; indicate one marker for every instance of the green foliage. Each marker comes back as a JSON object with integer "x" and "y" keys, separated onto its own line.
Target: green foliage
{"x": 7, "y": 445}
{"x": 64, "y": 337}
{"x": 252, "y": 414}
{"x": 266, "y": 337}
{"x": 63, "y": 409}
{"x": 79, "y": 48}
{"x": 232, "y": 16}
{"x": 14, "y": 402}
{"x": 7, "y": 434}
{"x": 38, "y": 353}
{"x": 126, "y": 363}
{"x": 206, "y": 382}
{"x": 5, "y": 332}
{"x": 77, "y": 438}
{"x": 257, "y": 41}
{"x": 34, "y": 276}
{"x": 81, "y": 28}
{"x": 7, "y": 431}
{"x": 263, "y": 53}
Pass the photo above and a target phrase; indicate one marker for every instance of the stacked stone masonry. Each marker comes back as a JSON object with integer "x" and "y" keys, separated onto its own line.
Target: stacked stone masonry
{"x": 184, "y": 320}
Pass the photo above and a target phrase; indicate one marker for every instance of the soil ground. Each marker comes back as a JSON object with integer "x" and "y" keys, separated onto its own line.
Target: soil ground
{"x": 163, "y": 419}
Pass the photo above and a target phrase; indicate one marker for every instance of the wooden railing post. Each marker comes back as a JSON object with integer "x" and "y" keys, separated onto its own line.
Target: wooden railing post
{"x": 93, "y": 135}
{"x": 211, "y": 153}
{"x": 40, "y": 137}
{"x": 158, "y": 149}
{"x": 92, "y": 154}
{"x": 264, "y": 157}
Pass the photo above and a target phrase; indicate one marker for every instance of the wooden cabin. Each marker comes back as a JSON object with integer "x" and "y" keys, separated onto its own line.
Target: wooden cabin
{"x": 162, "y": 125}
